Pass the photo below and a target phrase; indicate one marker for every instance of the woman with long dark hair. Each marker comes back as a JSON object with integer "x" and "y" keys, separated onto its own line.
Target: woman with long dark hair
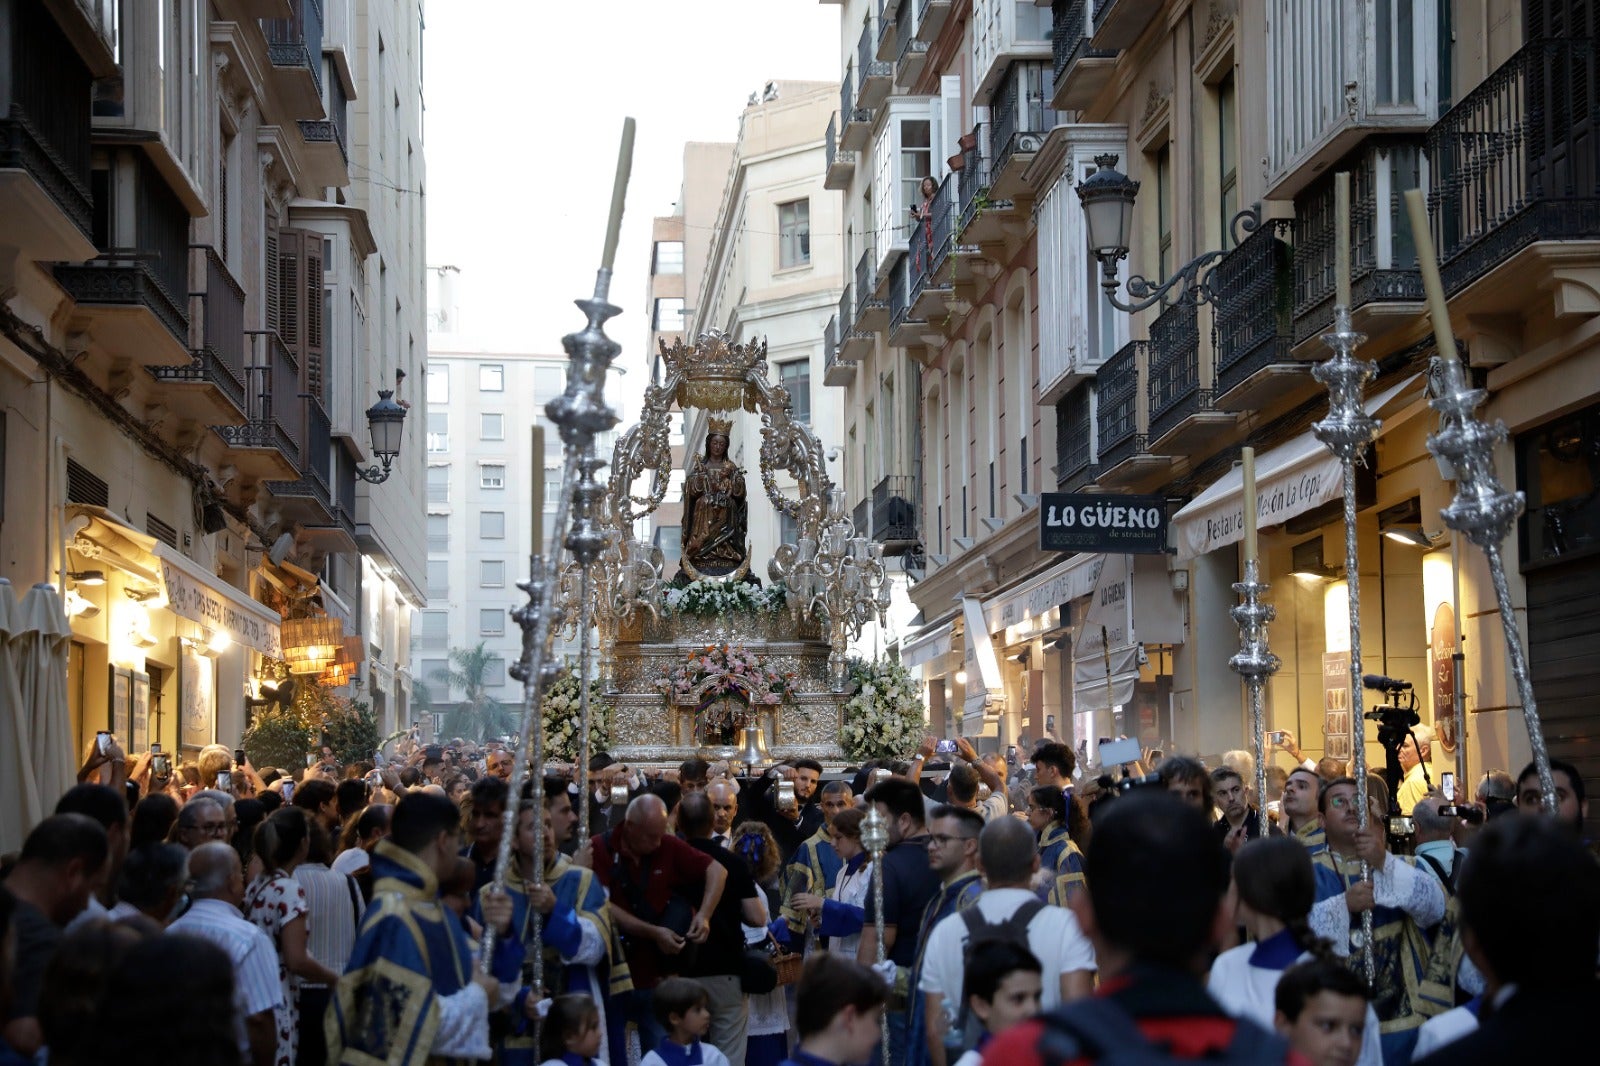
{"x": 1059, "y": 820}
{"x": 277, "y": 904}
{"x": 1275, "y": 888}
{"x": 767, "y": 1043}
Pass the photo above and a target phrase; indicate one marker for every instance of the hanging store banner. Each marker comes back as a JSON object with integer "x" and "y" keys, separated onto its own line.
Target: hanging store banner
{"x": 1098, "y": 522}
{"x": 1442, "y": 652}
{"x": 194, "y": 593}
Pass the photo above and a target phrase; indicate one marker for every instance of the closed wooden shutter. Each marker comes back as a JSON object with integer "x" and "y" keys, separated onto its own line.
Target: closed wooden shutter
{"x": 274, "y": 309}
{"x": 300, "y": 299}
{"x": 312, "y": 312}
{"x": 1563, "y": 632}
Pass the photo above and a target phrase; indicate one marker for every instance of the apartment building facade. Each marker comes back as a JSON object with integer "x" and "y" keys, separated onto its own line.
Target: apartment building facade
{"x": 1213, "y": 107}
{"x": 185, "y": 367}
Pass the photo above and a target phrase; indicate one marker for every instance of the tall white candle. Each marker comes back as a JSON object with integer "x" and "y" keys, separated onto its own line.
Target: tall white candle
{"x": 1250, "y": 547}
{"x": 1341, "y": 246}
{"x": 619, "y": 192}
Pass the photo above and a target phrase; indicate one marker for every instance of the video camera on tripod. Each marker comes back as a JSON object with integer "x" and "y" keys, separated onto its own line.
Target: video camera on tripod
{"x": 1396, "y": 719}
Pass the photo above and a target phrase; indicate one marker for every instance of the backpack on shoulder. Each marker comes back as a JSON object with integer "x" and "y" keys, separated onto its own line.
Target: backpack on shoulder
{"x": 967, "y": 1031}
{"x": 1099, "y": 1031}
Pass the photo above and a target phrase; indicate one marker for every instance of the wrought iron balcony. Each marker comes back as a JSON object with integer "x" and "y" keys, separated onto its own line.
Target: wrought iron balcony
{"x": 316, "y": 457}
{"x": 1022, "y": 116}
{"x": 871, "y": 312}
{"x": 295, "y": 44}
{"x": 1383, "y": 257}
{"x": 931, "y": 17}
{"x": 904, "y": 329}
{"x": 873, "y": 74}
{"x": 1175, "y": 369}
{"x": 1254, "y": 320}
{"x": 973, "y": 184}
{"x": 132, "y": 296}
{"x": 853, "y": 344}
{"x": 327, "y": 156}
{"x": 1117, "y": 418}
{"x": 861, "y": 515}
{"x": 44, "y": 136}
{"x": 1075, "y": 438}
{"x": 210, "y": 388}
{"x": 887, "y": 30}
{"x": 1517, "y": 161}
{"x": 894, "y": 514}
{"x": 1118, "y": 23}
{"x": 931, "y": 238}
{"x": 830, "y": 356}
{"x": 841, "y": 165}
{"x": 911, "y": 51}
{"x": 268, "y": 445}
{"x": 855, "y": 119}
{"x": 1080, "y": 69}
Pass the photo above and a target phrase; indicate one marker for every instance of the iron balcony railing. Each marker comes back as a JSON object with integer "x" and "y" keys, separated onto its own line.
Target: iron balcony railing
{"x": 847, "y": 314}
{"x": 1517, "y": 160}
{"x": 830, "y": 141}
{"x": 830, "y": 342}
{"x": 1021, "y": 107}
{"x": 297, "y": 41}
{"x": 861, "y": 515}
{"x": 330, "y": 130}
{"x": 1069, "y": 37}
{"x": 899, "y": 291}
{"x": 868, "y": 65}
{"x": 221, "y": 309}
{"x": 1174, "y": 367}
{"x": 973, "y": 185}
{"x": 1073, "y": 436}
{"x": 1254, "y": 320}
{"x": 930, "y": 238}
{"x": 315, "y": 456}
{"x": 906, "y": 42}
{"x": 274, "y": 416}
{"x": 866, "y": 279}
{"x": 1117, "y": 420}
{"x": 1383, "y": 256}
{"x": 847, "y": 96}
{"x": 46, "y": 127}
{"x": 894, "y": 516}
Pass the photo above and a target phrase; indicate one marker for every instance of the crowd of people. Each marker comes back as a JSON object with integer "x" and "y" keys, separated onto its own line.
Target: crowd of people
{"x": 1029, "y": 909}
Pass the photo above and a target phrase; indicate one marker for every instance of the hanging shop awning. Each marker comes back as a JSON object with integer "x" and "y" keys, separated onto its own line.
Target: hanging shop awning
{"x": 1133, "y": 605}
{"x": 930, "y": 644}
{"x": 193, "y": 592}
{"x": 1061, "y": 583}
{"x": 98, "y": 534}
{"x": 985, "y": 685}
{"x": 1290, "y": 480}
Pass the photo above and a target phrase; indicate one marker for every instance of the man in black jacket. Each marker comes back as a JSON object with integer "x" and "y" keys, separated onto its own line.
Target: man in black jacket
{"x": 719, "y": 962}
{"x": 1530, "y": 912}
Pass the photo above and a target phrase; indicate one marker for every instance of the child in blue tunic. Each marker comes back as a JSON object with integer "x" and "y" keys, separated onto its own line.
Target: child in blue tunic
{"x": 571, "y": 1033}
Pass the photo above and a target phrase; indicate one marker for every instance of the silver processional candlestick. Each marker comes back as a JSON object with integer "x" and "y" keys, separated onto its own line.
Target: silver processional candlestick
{"x": 1483, "y": 510}
{"x": 579, "y": 413}
{"x": 1255, "y": 663}
{"x": 875, "y": 838}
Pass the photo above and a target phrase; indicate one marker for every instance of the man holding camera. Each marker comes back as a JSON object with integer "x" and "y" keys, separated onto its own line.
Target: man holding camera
{"x": 1414, "y": 755}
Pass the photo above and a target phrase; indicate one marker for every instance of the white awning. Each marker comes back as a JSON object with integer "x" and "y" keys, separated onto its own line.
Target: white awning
{"x": 193, "y": 592}
{"x": 926, "y": 646}
{"x": 1062, "y": 583}
{"x": 1290, "y": 480}
{"x": 988, "y": 686}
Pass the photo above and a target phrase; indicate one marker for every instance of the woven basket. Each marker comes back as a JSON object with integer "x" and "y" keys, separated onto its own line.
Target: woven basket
{"x": 788, "y": 967}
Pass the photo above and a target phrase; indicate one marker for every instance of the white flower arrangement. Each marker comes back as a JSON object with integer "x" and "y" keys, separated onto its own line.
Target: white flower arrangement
{"x": 885, "y": 718}
{"x": 561, "y": 715}
{"x": 704, "y": 598}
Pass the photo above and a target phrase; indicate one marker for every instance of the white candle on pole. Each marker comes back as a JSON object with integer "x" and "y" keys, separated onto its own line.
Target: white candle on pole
{"x": 1341, "y": 246}
{"x": 538, "y": 489}
{"x": 619, "y": 191}
{"x": 1250, "y": 547}
{"x": 1428, "y": 265}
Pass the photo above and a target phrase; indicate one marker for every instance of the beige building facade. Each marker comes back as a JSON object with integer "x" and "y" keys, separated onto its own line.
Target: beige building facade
{"x": 1213, "y": 107}
{"x": 184, "y": 358}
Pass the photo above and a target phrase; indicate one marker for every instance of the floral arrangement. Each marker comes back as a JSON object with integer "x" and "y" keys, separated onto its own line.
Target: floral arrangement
{"x": 734, "y": 672}
{"x": 705, "y": 598}
{"x": 884, "y": 719}
{"x": 561, "y": 716}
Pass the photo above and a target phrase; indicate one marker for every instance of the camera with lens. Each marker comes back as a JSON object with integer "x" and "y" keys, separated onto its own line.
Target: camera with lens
{"x": 1465, "y": 811}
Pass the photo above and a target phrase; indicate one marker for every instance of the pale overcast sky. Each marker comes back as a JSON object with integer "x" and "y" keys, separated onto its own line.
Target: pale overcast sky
{"x": 525, "y": 101}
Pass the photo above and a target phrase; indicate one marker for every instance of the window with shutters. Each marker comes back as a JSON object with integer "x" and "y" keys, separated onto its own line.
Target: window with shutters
{"x": 492, "y": 525}
{"x": 491, "y": 621}
{"x": 492, "y": 573}
{"x": 301, "y": 305}
{"x": 274, "y": 309}
{"x": 491, "y": 475}
{"x": 86, "y": 487}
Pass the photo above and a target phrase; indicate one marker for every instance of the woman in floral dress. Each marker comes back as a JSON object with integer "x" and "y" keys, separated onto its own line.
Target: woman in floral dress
{"x": 276, "y": 903}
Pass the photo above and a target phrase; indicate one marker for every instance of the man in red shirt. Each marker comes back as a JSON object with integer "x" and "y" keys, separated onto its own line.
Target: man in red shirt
{"x": 652, "y": 878}
{"x": 1155, "y": 907}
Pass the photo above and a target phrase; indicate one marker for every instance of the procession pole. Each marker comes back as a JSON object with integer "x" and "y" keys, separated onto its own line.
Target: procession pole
{"x": 1254, "y": 663}
{"x": 1347, "y": 430}
{"x": 1482, "y": 509}
{"x": 580, "y": 412}
{"x": 875, "y": 837}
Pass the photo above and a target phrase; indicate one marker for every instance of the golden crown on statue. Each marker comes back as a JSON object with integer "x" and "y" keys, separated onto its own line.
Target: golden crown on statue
{"x": 723, "y": 426}
{"x": 714, "y": 373}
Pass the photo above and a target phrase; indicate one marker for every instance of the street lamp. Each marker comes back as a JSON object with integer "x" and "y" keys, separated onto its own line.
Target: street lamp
{"x": 1107, "y": 196}
{"x": 386, "y": 421}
